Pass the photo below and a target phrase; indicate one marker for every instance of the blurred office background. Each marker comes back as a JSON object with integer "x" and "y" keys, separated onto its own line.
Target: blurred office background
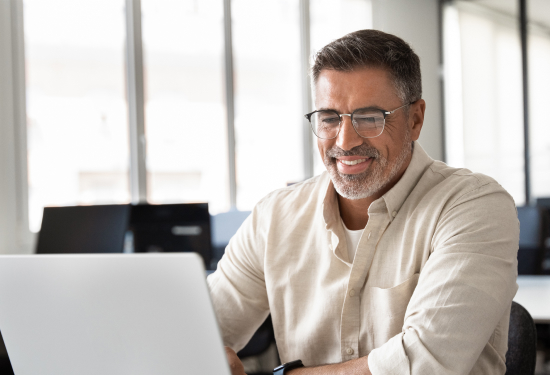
{"x": 172, "y": 101}
{"x": 185, "y": 101}
{"x": 176, "y": 101}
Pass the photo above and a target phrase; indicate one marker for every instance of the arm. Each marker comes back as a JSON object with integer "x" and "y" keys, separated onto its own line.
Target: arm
{"x": 359, "y": 366}
{"x": 465, "y": 289}
{"x": 237, "y": 288}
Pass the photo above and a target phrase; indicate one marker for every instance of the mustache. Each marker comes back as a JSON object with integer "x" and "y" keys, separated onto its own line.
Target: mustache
{"x": 361, "y": 150}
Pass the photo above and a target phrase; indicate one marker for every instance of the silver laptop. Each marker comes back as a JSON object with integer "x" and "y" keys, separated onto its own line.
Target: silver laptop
{"x": 109, "y": 314}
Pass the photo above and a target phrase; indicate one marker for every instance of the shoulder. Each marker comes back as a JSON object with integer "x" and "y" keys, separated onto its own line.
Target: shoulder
{"x": 472, "y": 204}
{"x": 302, "y": 194}
{"x": 460, "y": 184}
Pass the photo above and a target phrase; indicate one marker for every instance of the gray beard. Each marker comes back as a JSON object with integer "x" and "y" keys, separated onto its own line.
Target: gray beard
{"x": 371, "y": 181}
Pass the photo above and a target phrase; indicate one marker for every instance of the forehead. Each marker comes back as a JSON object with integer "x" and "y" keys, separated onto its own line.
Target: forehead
{"x": 353, "y": 89}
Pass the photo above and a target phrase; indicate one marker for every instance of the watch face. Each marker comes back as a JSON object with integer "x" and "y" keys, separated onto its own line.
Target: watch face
{"x": 289, "y": 365}
{"x": 279, "y": 368}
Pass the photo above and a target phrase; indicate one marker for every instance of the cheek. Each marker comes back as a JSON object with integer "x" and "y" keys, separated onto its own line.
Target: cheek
{"x": 389, "y": 144}
{"x": 323, "y": 146}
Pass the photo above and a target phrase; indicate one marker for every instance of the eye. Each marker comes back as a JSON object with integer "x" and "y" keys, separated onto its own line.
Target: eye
{"x": 368, "y": 119}
{"x": 329, "y": 119}
{"x": 365, "y": 119}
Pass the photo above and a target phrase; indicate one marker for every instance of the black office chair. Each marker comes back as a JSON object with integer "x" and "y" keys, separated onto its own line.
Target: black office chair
{"x": 522, "y": 342}
{"x": 259, "y": 343}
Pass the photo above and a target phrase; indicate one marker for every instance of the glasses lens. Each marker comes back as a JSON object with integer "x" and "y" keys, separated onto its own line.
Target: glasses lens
{"x": 325, "y": 124}
{"x": 368, "y": 123}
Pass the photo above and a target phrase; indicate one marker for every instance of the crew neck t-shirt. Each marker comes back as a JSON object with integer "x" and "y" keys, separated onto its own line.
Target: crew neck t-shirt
{"x": 352, "y": 239}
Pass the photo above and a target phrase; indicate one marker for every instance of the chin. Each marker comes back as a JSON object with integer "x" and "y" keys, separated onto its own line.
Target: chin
{"x": 357, "y": 187}
{"x": 361, "y": 185}
{"x": 368, "y": 183}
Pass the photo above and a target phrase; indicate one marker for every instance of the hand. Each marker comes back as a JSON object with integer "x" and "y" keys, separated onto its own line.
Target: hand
{"x": 235, "y": 363}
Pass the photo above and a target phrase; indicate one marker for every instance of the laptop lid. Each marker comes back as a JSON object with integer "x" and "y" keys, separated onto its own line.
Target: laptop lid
{"x": 109, "y": 314}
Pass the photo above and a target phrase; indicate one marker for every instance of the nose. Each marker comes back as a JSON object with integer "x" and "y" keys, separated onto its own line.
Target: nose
{"x": 347, "y": 137}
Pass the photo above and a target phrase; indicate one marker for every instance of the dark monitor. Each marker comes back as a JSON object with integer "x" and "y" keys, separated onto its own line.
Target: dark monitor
{"x": 531, "y": 252}
{"x": 529, "y": 224}
{"x": 83, "y": 229}
{"x": 172, "y": 228}
{"x": 543, "y": 202}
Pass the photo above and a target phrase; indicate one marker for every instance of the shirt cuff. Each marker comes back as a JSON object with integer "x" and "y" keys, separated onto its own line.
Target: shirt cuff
{"x": 390, "y": 358}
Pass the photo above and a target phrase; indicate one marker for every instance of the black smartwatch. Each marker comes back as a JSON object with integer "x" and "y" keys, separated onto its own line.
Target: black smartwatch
{"x": 285, "y": 367}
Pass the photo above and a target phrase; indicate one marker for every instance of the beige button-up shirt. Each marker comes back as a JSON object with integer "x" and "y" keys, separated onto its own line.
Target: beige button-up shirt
{"x": 429, "y": 290}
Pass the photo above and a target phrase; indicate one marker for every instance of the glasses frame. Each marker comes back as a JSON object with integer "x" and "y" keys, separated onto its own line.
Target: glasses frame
{"x": 384, "y": 112}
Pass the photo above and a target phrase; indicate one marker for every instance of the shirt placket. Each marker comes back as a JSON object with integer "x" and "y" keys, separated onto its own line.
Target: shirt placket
{"x": 351, "y": 319}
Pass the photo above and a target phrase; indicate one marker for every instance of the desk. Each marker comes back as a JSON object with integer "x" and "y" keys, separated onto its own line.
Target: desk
{"x": 534, "y": 295}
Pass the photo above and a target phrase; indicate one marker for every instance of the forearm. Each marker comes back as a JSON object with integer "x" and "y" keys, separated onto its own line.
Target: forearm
{"x": 359, "y": 366}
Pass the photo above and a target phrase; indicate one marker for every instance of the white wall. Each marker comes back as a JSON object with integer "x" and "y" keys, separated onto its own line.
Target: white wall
{"x": 417, "y": 22}
{"x": 14, "y": 234}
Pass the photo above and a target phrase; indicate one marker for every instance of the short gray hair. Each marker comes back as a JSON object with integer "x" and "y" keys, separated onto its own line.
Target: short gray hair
{"x": 373, "y": 48}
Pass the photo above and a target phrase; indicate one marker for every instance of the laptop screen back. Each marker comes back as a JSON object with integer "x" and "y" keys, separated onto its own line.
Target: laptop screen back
{"x": 109, "y": 314}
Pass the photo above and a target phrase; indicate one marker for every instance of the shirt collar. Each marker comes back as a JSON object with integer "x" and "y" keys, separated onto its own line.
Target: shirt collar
{"x": 397, "y": 195}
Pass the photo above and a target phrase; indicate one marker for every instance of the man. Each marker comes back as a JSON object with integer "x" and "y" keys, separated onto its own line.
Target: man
{"x": 389, "y": 262}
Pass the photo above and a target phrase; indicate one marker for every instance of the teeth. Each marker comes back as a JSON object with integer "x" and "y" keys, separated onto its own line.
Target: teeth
{"x": 353, "y": 162}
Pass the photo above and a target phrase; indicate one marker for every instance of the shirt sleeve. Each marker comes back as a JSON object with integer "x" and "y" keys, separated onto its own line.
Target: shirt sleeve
{"x": 237, "y": 288}
{"x": 464, "y": 289}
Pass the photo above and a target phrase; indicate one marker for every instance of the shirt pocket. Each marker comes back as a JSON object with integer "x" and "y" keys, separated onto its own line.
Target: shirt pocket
{"x": 387, "y": 307}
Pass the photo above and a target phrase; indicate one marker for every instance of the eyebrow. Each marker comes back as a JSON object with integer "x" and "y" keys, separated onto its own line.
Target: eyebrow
{"x": 356, "y": 109}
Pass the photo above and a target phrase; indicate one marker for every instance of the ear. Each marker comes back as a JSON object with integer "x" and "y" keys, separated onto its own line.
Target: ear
{"x": 416, "y": 118}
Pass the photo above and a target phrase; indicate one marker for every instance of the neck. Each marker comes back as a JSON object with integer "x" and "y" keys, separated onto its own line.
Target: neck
{"x": 355, "y": 212}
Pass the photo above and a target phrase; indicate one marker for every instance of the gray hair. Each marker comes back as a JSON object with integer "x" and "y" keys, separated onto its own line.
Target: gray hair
{"x": 373, "y": 48}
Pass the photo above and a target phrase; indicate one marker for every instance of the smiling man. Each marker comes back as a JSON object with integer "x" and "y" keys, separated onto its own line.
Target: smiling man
{"x": 388, "y": 263}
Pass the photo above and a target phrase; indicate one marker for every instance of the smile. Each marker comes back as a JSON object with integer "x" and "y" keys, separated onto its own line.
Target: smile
{"x": 352, "y": 162}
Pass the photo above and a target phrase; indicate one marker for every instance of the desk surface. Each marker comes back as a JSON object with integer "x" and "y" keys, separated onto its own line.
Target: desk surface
{"x": 534, "y": 295}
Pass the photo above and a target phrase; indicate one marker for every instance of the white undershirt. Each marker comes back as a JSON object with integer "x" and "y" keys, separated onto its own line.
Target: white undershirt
{"x": 352, "y": 239}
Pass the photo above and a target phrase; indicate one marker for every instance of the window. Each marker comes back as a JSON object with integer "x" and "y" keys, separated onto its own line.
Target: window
{"x": 268, "y": 118}
{"x": 78, "y": 122}
{"x": 486, "y": 114}
{"x": 76, "y": 106}
{"x": 484, "y": 95}
{"x": 539, "y": 96}
{"x": 185, "y": 111}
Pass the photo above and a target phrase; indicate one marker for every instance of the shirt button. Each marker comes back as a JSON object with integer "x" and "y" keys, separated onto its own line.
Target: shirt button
{"x": 352, "y": 293}
{"x": 394, "y": 213}
{"x": 349, "y": 351}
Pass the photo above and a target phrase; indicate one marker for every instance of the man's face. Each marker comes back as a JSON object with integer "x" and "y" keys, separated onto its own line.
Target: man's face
{"x": 365, "y": 167}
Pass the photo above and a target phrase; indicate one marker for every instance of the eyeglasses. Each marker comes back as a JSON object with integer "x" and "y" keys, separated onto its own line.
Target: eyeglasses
{"x": 367, "y": 122}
